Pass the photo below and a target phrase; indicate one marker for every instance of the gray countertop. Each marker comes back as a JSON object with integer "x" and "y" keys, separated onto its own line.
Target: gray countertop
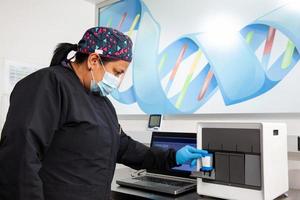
{"x": 120, "y": 192}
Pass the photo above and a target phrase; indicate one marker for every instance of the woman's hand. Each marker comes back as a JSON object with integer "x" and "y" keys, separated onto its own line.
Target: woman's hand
{"x": 189, "y": 153}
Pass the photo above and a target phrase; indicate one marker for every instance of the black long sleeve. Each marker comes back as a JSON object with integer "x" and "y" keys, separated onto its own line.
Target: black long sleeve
{"x": 138, "y": 156}
{"x": 31, "y": 121}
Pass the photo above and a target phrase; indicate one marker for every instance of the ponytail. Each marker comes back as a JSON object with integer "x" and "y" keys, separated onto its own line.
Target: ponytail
{"x": 61, "y": 52}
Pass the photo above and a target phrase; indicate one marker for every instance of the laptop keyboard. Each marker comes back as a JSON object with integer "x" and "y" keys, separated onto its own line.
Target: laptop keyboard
{"x": 163, "y": 181}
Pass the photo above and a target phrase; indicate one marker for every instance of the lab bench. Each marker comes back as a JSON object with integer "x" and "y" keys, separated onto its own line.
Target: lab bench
{"x": 124, "y": 193}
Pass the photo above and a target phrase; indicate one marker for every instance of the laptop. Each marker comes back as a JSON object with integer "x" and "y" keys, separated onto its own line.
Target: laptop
{"x": 174, "y": 181}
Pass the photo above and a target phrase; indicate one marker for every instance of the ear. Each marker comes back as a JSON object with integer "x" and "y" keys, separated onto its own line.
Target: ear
{"x": 93, "y": 61}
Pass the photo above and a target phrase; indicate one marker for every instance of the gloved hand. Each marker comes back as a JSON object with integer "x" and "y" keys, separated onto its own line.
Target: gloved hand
{"x": 188, "y": 153}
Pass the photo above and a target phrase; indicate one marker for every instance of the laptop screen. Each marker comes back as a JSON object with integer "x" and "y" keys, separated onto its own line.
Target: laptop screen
{"x": 174, "y": 140}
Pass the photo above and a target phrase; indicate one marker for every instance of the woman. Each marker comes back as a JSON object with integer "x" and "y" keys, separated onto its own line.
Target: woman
{"x": 61, "y": 139}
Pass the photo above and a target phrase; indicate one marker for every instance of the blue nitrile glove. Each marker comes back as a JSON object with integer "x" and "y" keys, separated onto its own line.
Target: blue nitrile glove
{"x": 188, "y": 153}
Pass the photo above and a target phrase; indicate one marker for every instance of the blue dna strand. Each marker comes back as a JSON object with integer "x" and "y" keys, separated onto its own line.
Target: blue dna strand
{"x": 242, "y": 70}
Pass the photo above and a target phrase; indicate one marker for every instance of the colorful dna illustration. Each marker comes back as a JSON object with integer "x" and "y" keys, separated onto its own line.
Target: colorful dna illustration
{"x": 182, "y": 77}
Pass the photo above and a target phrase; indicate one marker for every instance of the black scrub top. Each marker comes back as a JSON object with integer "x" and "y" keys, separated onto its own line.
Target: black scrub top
{"x": 61, "y": 142}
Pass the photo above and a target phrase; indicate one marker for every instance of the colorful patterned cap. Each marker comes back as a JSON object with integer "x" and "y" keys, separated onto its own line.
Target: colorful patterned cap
{"x": 107, "y": 42}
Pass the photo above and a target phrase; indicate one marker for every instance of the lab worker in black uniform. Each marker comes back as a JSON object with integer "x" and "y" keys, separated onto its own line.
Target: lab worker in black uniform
{"x": 61, "y": 139}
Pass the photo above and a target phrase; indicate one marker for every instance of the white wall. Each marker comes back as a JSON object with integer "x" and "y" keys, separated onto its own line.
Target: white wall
{"x": 31, "y": 29}
{"x": 136, "y": 124}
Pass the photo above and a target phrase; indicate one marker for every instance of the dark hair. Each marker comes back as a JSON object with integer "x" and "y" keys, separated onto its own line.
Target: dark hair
{"x": 63, "y": 49}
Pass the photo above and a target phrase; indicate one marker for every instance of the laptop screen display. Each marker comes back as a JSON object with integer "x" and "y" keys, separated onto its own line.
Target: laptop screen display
{"x": 174, "y": 140}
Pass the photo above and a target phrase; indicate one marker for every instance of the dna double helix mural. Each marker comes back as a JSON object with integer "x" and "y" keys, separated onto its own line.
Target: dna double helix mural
{"x": 241, "y": 71}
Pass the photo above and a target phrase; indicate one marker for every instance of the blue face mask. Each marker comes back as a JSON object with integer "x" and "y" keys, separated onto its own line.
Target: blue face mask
{"x": 107, "y": 85}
